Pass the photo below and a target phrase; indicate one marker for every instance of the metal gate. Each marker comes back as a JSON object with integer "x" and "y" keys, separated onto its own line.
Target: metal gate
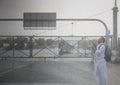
{"x": 47, "y": 46}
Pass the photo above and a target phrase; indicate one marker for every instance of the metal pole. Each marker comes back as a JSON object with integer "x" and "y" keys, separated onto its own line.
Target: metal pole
{"x": 115, "y": 33}
{"x": 13, "y": 44}
{"x": 31, "y": 46}
{"x": 72, "y": 19}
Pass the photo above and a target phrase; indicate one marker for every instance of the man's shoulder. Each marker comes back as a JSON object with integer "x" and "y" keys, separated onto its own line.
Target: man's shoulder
{"x": 101, "y": 45}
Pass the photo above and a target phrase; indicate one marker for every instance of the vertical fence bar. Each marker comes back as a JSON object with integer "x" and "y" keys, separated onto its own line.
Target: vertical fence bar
{"x": 58, "y": 46}
{"x": 31, "y": 46}
{"x": 13, "y": 42}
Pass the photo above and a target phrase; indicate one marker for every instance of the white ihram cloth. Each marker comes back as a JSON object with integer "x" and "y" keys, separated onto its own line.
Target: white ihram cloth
{"x": 100, "y": 65}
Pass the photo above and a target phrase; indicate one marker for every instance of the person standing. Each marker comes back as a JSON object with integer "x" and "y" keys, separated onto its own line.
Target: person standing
{"x": 100, "y": 63}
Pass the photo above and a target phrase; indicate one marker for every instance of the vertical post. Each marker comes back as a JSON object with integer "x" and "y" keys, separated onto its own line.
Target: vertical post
{"x": 72, "y": 29}
{"x": 115, "y": 34}
{"x": 31, "y": 46}
{"x": 59, "y": 46}
{"x": 78, "y": 45}
{"x": 13, "y": 44}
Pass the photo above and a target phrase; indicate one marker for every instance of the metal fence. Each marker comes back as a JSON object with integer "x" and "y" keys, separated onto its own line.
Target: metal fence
{"x": 47, "y": 46}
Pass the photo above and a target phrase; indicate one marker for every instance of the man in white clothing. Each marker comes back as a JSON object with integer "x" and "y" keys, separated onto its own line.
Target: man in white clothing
{"x": 100, "y": 63}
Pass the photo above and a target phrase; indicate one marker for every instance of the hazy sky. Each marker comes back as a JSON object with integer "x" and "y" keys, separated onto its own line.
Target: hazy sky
{"x": 101, "y": 9}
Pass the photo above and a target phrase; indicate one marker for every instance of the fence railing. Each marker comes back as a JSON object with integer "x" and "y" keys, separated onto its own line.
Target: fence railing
{"x": 47, "y": 46}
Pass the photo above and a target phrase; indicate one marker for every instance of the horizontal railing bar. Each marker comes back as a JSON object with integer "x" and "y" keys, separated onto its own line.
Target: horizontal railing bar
{"x": 42, "y": 36}
{"x": 43, "y": 57}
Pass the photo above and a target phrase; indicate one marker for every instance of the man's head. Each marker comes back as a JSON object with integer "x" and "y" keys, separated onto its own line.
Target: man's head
{"x": 101, "y": 40}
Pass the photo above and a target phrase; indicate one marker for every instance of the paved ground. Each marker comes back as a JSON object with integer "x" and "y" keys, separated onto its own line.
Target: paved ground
{"x": 53, "y": 72}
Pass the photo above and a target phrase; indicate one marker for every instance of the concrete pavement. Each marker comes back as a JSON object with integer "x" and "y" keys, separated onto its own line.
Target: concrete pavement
{"x": 57, "y": 72}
